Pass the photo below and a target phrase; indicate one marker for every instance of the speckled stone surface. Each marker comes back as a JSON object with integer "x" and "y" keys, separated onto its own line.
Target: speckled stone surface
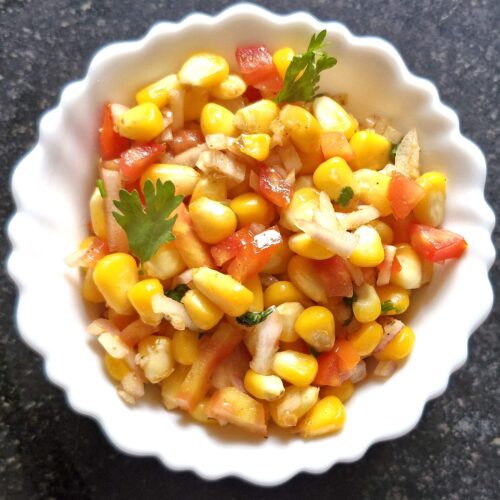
{"x": 47, "y": 451}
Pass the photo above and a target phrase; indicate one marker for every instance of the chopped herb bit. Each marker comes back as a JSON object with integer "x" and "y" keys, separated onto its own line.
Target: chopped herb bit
{"x": 178, "y": 292}
{"x": 301, "y": 81}
{"x": 100, "y": 186}
{"x": 345, "y": 196}
{"x": 350, "y": 300}
{"x": 254, "y": 318}
{"x": 147, "y": 227}
{"x": 394, "y": 150}
{"x": 387, "y": 306}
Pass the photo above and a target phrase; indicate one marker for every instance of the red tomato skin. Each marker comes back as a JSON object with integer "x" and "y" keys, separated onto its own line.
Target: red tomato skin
{"x": 94, "y": 252}
{"x": 111, "y": 143}
{"x": 347, "y": 357}
{"x": 252, "y": 94}
{"x": 255, "y": 63}
{"x": 404, "y": 194}
{"x": 400, "y": 228}
{"x": 135, "y": 160}
{"x": 335, "y": 276}
{"x": 328, "y": 370}
{"x": 271, "y": 85}
{"x": 336, "y": 144}
{"x": 274, "y": 187}
{"x": 186, "y": 138}
{"x": 228, "y": 249}
{"x": 436, "y": 245}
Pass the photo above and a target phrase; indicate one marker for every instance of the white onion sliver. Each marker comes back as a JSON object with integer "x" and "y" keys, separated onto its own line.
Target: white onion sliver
{"x": 267, "y": 336}
{"x": 132, "y": 385}
{"x": 356, "y": 273}
{"x": 254, "y": 181}
{"x": 408, "y": 155}
{"x": 384, "y": 274}
{"x": 358, "y": 373}
{"x": 114, "y": 345}
{"x": 385, "y": 368}
{"x": 290, "y": 158}
{"x": 184, "y": 278}
{"x": 216, "y": 141}
{"x": 74, "y": 259}
{"x": 177, "y": 107}
{"x": 189, "y": 157}
{"x": 364, "y": 214}
{"x": 102, "y": 325}
{"x": 117, "y": 110}
{"x": 173, "y": 311}
{"x": 391, "y": 328}
{"x": 213, "y": 162}
{"x": 392, "y": 135}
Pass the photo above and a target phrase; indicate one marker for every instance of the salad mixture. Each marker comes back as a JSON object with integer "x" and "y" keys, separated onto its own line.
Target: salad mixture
{"x": 253, "y": 245}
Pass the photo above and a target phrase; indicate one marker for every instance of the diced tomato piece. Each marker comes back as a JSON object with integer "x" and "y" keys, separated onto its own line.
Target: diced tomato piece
{"x": 339, "y": 361}
{"x": 271, "y": 85}
{"x": 400, "y": 228}
{"x": 396, "y": 265}
{"x": 137, "y": 186}
{"x": 336, "y": 144}
{"x": 136, "y": 331}
{"x": 256, "y": 64}
{"x": 436, "y": 245}
{"x": 252, "y": 94}
{"x": 228, "y": 249}
{"x": 135, "y": 160}
{"x": 274, "y": 187}
{"x": 404, "y": 194}
{"x": 186, "y": 138}
{"x": 335, "y": 276}
{"x": 230, "y": 405}
{"x": 112, "y": 144}
{"x": 94, "y": 251}
{"x": 211, "y": 354}
{"x": 253, "y": 257}
{"x": 194, "y": 252}
{"x": 297, "y": 345}
{"x": 121, "y": 321}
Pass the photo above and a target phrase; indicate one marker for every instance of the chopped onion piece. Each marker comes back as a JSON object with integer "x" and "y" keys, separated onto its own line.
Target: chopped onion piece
{"x": 290, "y": 178}
{"x": 133, "y": 333}
{"x": 117, "y": 110}
{"x": 253, "y": 181}
{"x": 408, "y": 155}
{"x": 392, "y": 135}
{"x": 279, "y": 136}
{"x": 231, "y": 371}
{"x": 189, "y": 157}
{"x": 363, "y": 215}
{"x": 268, "y": 279}
{"x": 74, "y": 259}
{"x": 384, "y": 273}
{"x": 391, "y": 328}
{"x": 219, "y": 164}
{"x": 356, "y": 273}
{"x": 130, "y": 400}
{"x": 133, "y": 385}
{"x": 217, "y": 141}
{"x": 165, "y": 136}
{"x": 290, "y": 158}
{"x": 358, "y": 373}
{"x": 102, "y": 325}
{"x": 267, "y": 336}
{"x": 385, "y": 368}
{"x": 184, "y": 278}
{"x": 173, "y": 311}
{"x": 114, "y": 345}
{"x": 177, "y": 107}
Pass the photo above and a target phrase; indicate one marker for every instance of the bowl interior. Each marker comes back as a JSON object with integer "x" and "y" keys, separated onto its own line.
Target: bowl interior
{"x": 55, "y": 191}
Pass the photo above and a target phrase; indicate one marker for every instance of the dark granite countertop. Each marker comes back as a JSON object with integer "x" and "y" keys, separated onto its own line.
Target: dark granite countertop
{"x": 47, "y": 451}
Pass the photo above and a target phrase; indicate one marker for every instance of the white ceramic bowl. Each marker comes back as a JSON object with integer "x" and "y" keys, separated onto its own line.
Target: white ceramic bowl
{"x": 52, "y": 184}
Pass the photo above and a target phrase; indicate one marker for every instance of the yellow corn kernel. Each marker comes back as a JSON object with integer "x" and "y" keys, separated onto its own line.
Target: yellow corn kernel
{"x": 255, "y": 145}
{"x": 256, "y": 118}
{"x": 332, "y": 117}
{"x": 333, "y": 176}
{"x": 394, "y": 299}
{"x": 97, "y": 217}
{"x": 366, "y": 307}
{"x": 303, "y": 205}
{"x": 302, "y": 244}
{"x": 90, "y": 292}
{"x": 224, "y": 291}
{"x": 212, "y": 220}
{"x": 294, "y": 404}
{"x": 303, "y": 128}
{"x": 371, "y": 150}
{"x": 184, "y": 178}
{"x": 204, "y": 70}
{"x": 369, "y": 251}
{"x": 279, "y": 260}
{"x": 295, "y": 367}
{"x": 216, "y": 119}
{"x": 384, "y": 230}
{"x": 114, "y": 275}
{"x": 344, "y": 391}
{"x": 399, "y": 347}
{"x": 165, "y": 263}
{"x": 116, "y": 368}
{"x": 185, "y": 346}
{"x": 366, "y": 338}
{"x": 208, "y": 187}
{"x": 232, "y": 87}
{"x": 266, "y": 387}
{"x": 430, "y": 209}
{"x": 289, "y": 312}
{"x": 282, "y": 59}
{"x": 255, "y": 286}
{"x": 252, "y": 208}
{"x": 141, "y": 123}
{"x": 316, "y": 326}
{"x": 170, "y": 386}
{"x": 158, "y": 92}
{"x": 155, "y": 357}
{"x": 410, "y": 274}
{"x": 204, "y": 313}
{"x": 283, "y": 291}
{"x": 140, "y": 296}
{"x": 199, "y": 413}
{"x": 195, "y": 99}
{"x": 310, "y": 161}
{"x": 303, "y": 275}
{"x": 372, "y": 188}
{"x": 325, "y": 417}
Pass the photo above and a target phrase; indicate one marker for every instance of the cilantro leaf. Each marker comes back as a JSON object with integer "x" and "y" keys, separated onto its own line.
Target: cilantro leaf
{"x": 178, "y": 292}
{"x": 100, "y": 186}
{"x": 346, "y": 195}
{"x": 388, "y": 306}
{"x": 394, "y": 150}
{"x": 147, "y": 227}
{"x": 254, "y": 318}
{"x": 301, "y": 81}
